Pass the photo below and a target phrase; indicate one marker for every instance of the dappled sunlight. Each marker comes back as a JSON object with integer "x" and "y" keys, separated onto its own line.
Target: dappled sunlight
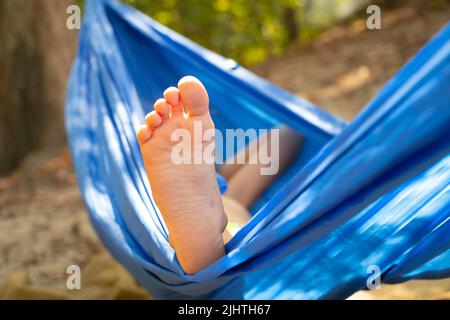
{"x": 354, "y": 194}
{"x": 353, "y": 80}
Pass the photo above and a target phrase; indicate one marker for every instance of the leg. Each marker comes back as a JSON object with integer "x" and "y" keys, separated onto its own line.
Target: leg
{"x": 229, "y": 169}
{"x": 237, "y": 216}
{"x": 187, "y": 194}
{"x": 246, "y": 183}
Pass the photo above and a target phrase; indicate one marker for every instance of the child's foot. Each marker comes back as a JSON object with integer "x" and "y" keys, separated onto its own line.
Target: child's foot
{"x": 187, "y": 194}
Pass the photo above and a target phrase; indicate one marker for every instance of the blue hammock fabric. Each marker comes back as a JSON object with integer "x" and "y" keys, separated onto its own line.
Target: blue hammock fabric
{"x": 371, "y": 192}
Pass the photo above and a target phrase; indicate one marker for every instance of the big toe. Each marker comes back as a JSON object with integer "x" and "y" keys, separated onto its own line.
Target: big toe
{"x": 193, "y": 95}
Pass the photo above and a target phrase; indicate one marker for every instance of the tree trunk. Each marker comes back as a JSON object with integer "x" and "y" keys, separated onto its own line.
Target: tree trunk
{"x": 290, "y": 23}
{"x": 36, "y": 50}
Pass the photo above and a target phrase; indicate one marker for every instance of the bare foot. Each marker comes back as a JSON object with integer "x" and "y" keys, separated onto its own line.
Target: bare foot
{"x": 187, "y": 194}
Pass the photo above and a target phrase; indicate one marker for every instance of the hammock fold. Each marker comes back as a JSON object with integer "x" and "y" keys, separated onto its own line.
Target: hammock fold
{"x": 374, "y": 192}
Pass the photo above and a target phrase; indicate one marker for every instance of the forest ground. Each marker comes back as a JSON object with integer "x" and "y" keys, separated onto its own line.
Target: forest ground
{"x": 43, "y": 222}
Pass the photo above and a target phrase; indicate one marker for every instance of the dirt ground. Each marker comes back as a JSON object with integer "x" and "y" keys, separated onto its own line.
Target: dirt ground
{"x": 43, "y": 222}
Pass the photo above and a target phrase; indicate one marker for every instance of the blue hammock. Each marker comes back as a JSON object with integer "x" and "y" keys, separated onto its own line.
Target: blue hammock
{"x": 374, "y": 192}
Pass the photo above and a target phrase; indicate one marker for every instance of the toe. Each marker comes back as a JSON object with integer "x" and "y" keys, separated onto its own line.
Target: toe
{"x": 153, "y": 120}
{"x": 162, "y": 108}
{"x": 143, "y": 134}
{"x": 172, "y": 96}
{"x": 193, "y": 96}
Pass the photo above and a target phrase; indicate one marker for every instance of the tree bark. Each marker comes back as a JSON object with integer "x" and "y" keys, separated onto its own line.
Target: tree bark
{"x": 290, "y": 22}
{"x": 36, "y": 50}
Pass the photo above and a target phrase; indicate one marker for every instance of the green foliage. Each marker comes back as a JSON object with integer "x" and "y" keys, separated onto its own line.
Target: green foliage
{"x": 248, "y": 31}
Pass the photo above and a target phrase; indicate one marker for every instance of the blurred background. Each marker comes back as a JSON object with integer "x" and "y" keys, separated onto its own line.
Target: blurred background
{"x": 320, "y": 50}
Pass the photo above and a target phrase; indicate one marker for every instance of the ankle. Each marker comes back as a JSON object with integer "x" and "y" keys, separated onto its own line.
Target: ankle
{"x": 196, "y": 253}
